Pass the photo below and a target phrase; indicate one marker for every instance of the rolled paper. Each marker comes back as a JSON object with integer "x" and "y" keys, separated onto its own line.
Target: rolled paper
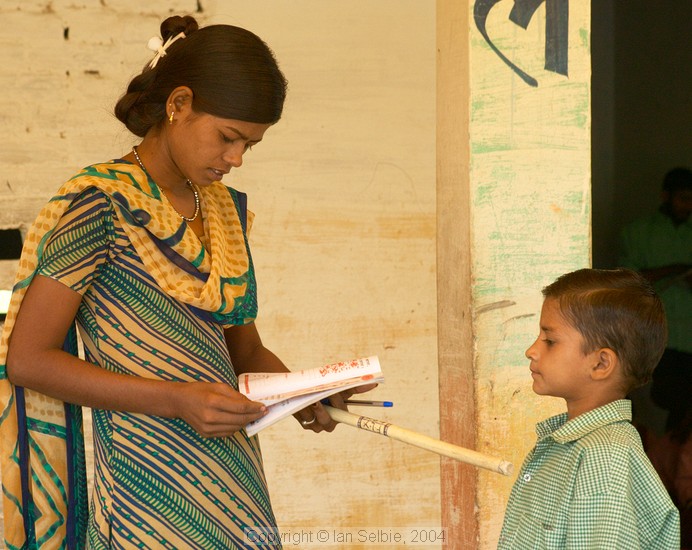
{"x": 422, "y": 441}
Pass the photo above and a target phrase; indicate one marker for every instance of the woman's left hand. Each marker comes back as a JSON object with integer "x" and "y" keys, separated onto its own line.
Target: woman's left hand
{"x": 316, "y": 418}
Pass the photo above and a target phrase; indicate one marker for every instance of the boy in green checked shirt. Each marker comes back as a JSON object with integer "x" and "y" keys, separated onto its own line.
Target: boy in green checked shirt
{"x": 588, "y": 484}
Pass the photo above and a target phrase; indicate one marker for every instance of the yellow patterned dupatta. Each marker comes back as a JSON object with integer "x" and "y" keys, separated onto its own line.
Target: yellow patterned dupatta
{"x": 41, "y": 442}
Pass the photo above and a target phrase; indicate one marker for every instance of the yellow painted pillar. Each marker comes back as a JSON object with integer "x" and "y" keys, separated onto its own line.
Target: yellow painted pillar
{"x": 513, "y": 143}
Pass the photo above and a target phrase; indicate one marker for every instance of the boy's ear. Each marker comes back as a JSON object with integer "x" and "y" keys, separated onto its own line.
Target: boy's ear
{"x": 606, "y": 364}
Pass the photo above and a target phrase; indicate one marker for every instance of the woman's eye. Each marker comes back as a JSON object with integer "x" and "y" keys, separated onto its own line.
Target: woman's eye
{"x": 232, "y": 140}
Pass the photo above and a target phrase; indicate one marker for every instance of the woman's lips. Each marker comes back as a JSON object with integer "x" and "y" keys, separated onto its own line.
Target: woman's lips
{"x": 218, "y": 174}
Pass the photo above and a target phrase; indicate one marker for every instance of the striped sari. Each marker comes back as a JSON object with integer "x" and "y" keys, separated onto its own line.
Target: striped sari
{"x": 154, "y": 304}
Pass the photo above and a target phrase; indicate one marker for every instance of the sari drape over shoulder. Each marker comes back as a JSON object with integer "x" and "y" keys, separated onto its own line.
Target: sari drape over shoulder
{"x": 155, "y": 302}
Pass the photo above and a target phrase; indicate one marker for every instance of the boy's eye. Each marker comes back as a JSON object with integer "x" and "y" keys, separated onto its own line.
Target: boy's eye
{"x": 548, "y": 342}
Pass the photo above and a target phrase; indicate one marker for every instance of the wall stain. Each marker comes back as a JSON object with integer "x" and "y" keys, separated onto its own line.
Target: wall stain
{"x": 524, "y": 316}
{"x": 495, "y": 305}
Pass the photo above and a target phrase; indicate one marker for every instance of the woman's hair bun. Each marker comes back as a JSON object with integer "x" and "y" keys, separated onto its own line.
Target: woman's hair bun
{"x": 176, "y": 24}
{"x": 231, "y": 72}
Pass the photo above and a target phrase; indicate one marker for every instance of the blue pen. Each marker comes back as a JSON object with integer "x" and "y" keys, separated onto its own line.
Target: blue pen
{"x": 369, "y": 403}
{"x": 363, "y": 403}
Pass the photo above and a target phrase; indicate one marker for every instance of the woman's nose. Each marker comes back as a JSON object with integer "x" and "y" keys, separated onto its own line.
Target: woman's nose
{"x": 234, "y": 154}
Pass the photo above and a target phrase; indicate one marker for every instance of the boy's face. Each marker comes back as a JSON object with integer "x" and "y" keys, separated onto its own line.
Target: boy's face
{"x": 558, "y": 365}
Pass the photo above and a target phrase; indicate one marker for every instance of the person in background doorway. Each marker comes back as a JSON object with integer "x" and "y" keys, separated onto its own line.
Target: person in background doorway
{"x": 659, "y": 246}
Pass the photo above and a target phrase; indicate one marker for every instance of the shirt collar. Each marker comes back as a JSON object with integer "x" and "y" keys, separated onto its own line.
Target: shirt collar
{"x": 564, "y": 431}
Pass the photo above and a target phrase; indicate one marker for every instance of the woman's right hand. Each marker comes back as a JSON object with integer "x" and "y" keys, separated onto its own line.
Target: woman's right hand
{"x": 215, "y": 409}
{"x": 212, "y": 409}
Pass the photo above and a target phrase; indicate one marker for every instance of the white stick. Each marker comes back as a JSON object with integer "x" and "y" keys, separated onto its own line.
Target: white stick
{"x": 423, "y": 441}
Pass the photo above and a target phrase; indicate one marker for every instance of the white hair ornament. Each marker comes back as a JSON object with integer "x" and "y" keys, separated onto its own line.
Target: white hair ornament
{"x": 156, "y": 44}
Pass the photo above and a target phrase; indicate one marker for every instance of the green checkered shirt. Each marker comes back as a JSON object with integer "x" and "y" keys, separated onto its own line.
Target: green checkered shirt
{"x": 588, "y": 484}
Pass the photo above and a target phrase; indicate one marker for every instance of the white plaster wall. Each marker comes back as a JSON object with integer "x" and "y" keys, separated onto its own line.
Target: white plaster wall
{"x": 343, "y": 191}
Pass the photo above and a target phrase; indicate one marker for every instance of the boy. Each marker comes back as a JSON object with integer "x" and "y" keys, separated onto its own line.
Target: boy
{"x": 587, "y": 483}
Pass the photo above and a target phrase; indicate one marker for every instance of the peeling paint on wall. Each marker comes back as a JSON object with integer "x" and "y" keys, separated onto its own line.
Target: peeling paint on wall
{"x": 530, "y": 179}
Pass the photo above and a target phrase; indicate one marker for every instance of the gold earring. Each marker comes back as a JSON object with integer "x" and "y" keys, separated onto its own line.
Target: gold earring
{"x": 170, "y": 118}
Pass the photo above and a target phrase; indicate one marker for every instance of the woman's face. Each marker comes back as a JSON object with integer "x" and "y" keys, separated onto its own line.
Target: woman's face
{"x": 204, "y": 148}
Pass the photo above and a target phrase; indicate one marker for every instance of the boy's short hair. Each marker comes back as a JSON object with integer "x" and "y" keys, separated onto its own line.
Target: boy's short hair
{"x": 616, "y": 309}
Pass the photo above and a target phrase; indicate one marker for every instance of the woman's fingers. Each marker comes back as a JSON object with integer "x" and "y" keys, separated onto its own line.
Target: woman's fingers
{"x": 317, "y": 419}
{"x": 216, "y": 410}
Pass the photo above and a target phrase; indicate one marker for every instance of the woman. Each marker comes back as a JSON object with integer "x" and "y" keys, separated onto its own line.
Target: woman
{"x": 149, "y": 255}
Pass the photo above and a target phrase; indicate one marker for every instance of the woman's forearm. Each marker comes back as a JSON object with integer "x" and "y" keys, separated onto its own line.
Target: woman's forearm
{"x": 63, "y": 376}
{"x": 248, "y": 354}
